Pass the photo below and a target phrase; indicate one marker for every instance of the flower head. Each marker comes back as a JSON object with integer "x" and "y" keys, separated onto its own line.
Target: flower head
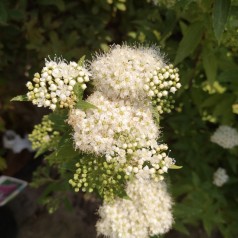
{"x": 54, "y": 86}
{"x": 146, "y": 213}
{"x": 220, "y": 177}
{"x": 43, "y": 134}
{"x": 125, "y": 134}
{"x": 226, "y": 137}
{"x": 135, "y": 74}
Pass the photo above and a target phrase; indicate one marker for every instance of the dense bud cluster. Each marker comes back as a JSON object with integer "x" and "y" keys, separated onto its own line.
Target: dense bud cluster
{"x": 53, "y": 87}
{"x": 220, "y": 177}
{"x": 163, "y": 82}
{"x": 226, "y": 137}
{"x": 94, "y": 173}
{"x": 146, "y": 213}
{"x": 43, "y": 134}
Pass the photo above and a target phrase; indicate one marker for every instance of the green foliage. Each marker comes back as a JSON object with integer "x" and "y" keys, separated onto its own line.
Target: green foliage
{"x": 190, "y": 41}
{"x": 3, "y": 164}
{"x": 20, "y": 98}
{"x": 220, "y": 14}
{"x": 200, "y": 36}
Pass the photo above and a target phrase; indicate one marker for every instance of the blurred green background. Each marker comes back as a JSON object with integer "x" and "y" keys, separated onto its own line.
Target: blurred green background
{"x": 199, "y": 36}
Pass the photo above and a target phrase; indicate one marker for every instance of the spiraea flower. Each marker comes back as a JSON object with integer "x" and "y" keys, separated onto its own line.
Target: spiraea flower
{"x": 43, "y": 134}
{"x": 220, "y": 177}
{"x": 146, "y": 213}
{"x": 135, "y": 74}
{"x": 53, "y": 87}
{"x": 226, "y": 137}
{"x": 125, "y": 134}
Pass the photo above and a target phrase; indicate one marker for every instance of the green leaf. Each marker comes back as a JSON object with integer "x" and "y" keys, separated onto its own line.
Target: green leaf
{"x": 78, "y": 91}
{"x": 190, "y": 41}
{"x": 3, "y": 13}
{"x": 83, "y": 105}
{"x": 220, "y": 14}
{"x": 41, "y": 151}
{"x": 181, "y": 228}
{"x": 173, "y": 166}
{"x": 210, "y": 64}
{"x": 20, "y": 98}
{"x": 212, "y": 100}
{"x": 3, "y": 164}
{"x": 228, "y": 76}
{"x": 81, "y": 60}
{"x": 58, "y": 118}
{"x": 51, "y": 187}
{"x": 122, "y": 194}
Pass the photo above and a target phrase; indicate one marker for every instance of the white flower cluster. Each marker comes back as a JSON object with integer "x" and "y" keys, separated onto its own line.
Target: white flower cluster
{"x": 54, "y": 86}
{"x": 134, "y": 73}
{"x": 226, "y": 137}
{"x": 220, "y": 177}
{"x": 121, "y": 131}
{"x": 146, "y": 213}
{"x": 125, "y": 134}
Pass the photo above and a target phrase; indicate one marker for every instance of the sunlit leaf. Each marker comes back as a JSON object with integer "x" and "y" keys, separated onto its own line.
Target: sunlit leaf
{"x": 83, "y": 105}
{"x": 173, "y": 166}
{"x": 20, "y": 98}
{"x": 81, "y": 60}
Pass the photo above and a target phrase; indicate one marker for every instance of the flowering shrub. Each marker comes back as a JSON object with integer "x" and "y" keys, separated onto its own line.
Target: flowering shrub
{"x": 116, "y": 129}
{"x": 200, "y": 36}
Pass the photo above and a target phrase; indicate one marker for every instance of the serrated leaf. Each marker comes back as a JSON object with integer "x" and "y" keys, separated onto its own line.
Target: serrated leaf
{"x": 81, "y": 60}
{"x": 190, "y": 41}
{"x": 220, "y": 15}
{"x": 83, "y": 105}
{"x": 173, "y": 166}
{"x": 20, "y": 98}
